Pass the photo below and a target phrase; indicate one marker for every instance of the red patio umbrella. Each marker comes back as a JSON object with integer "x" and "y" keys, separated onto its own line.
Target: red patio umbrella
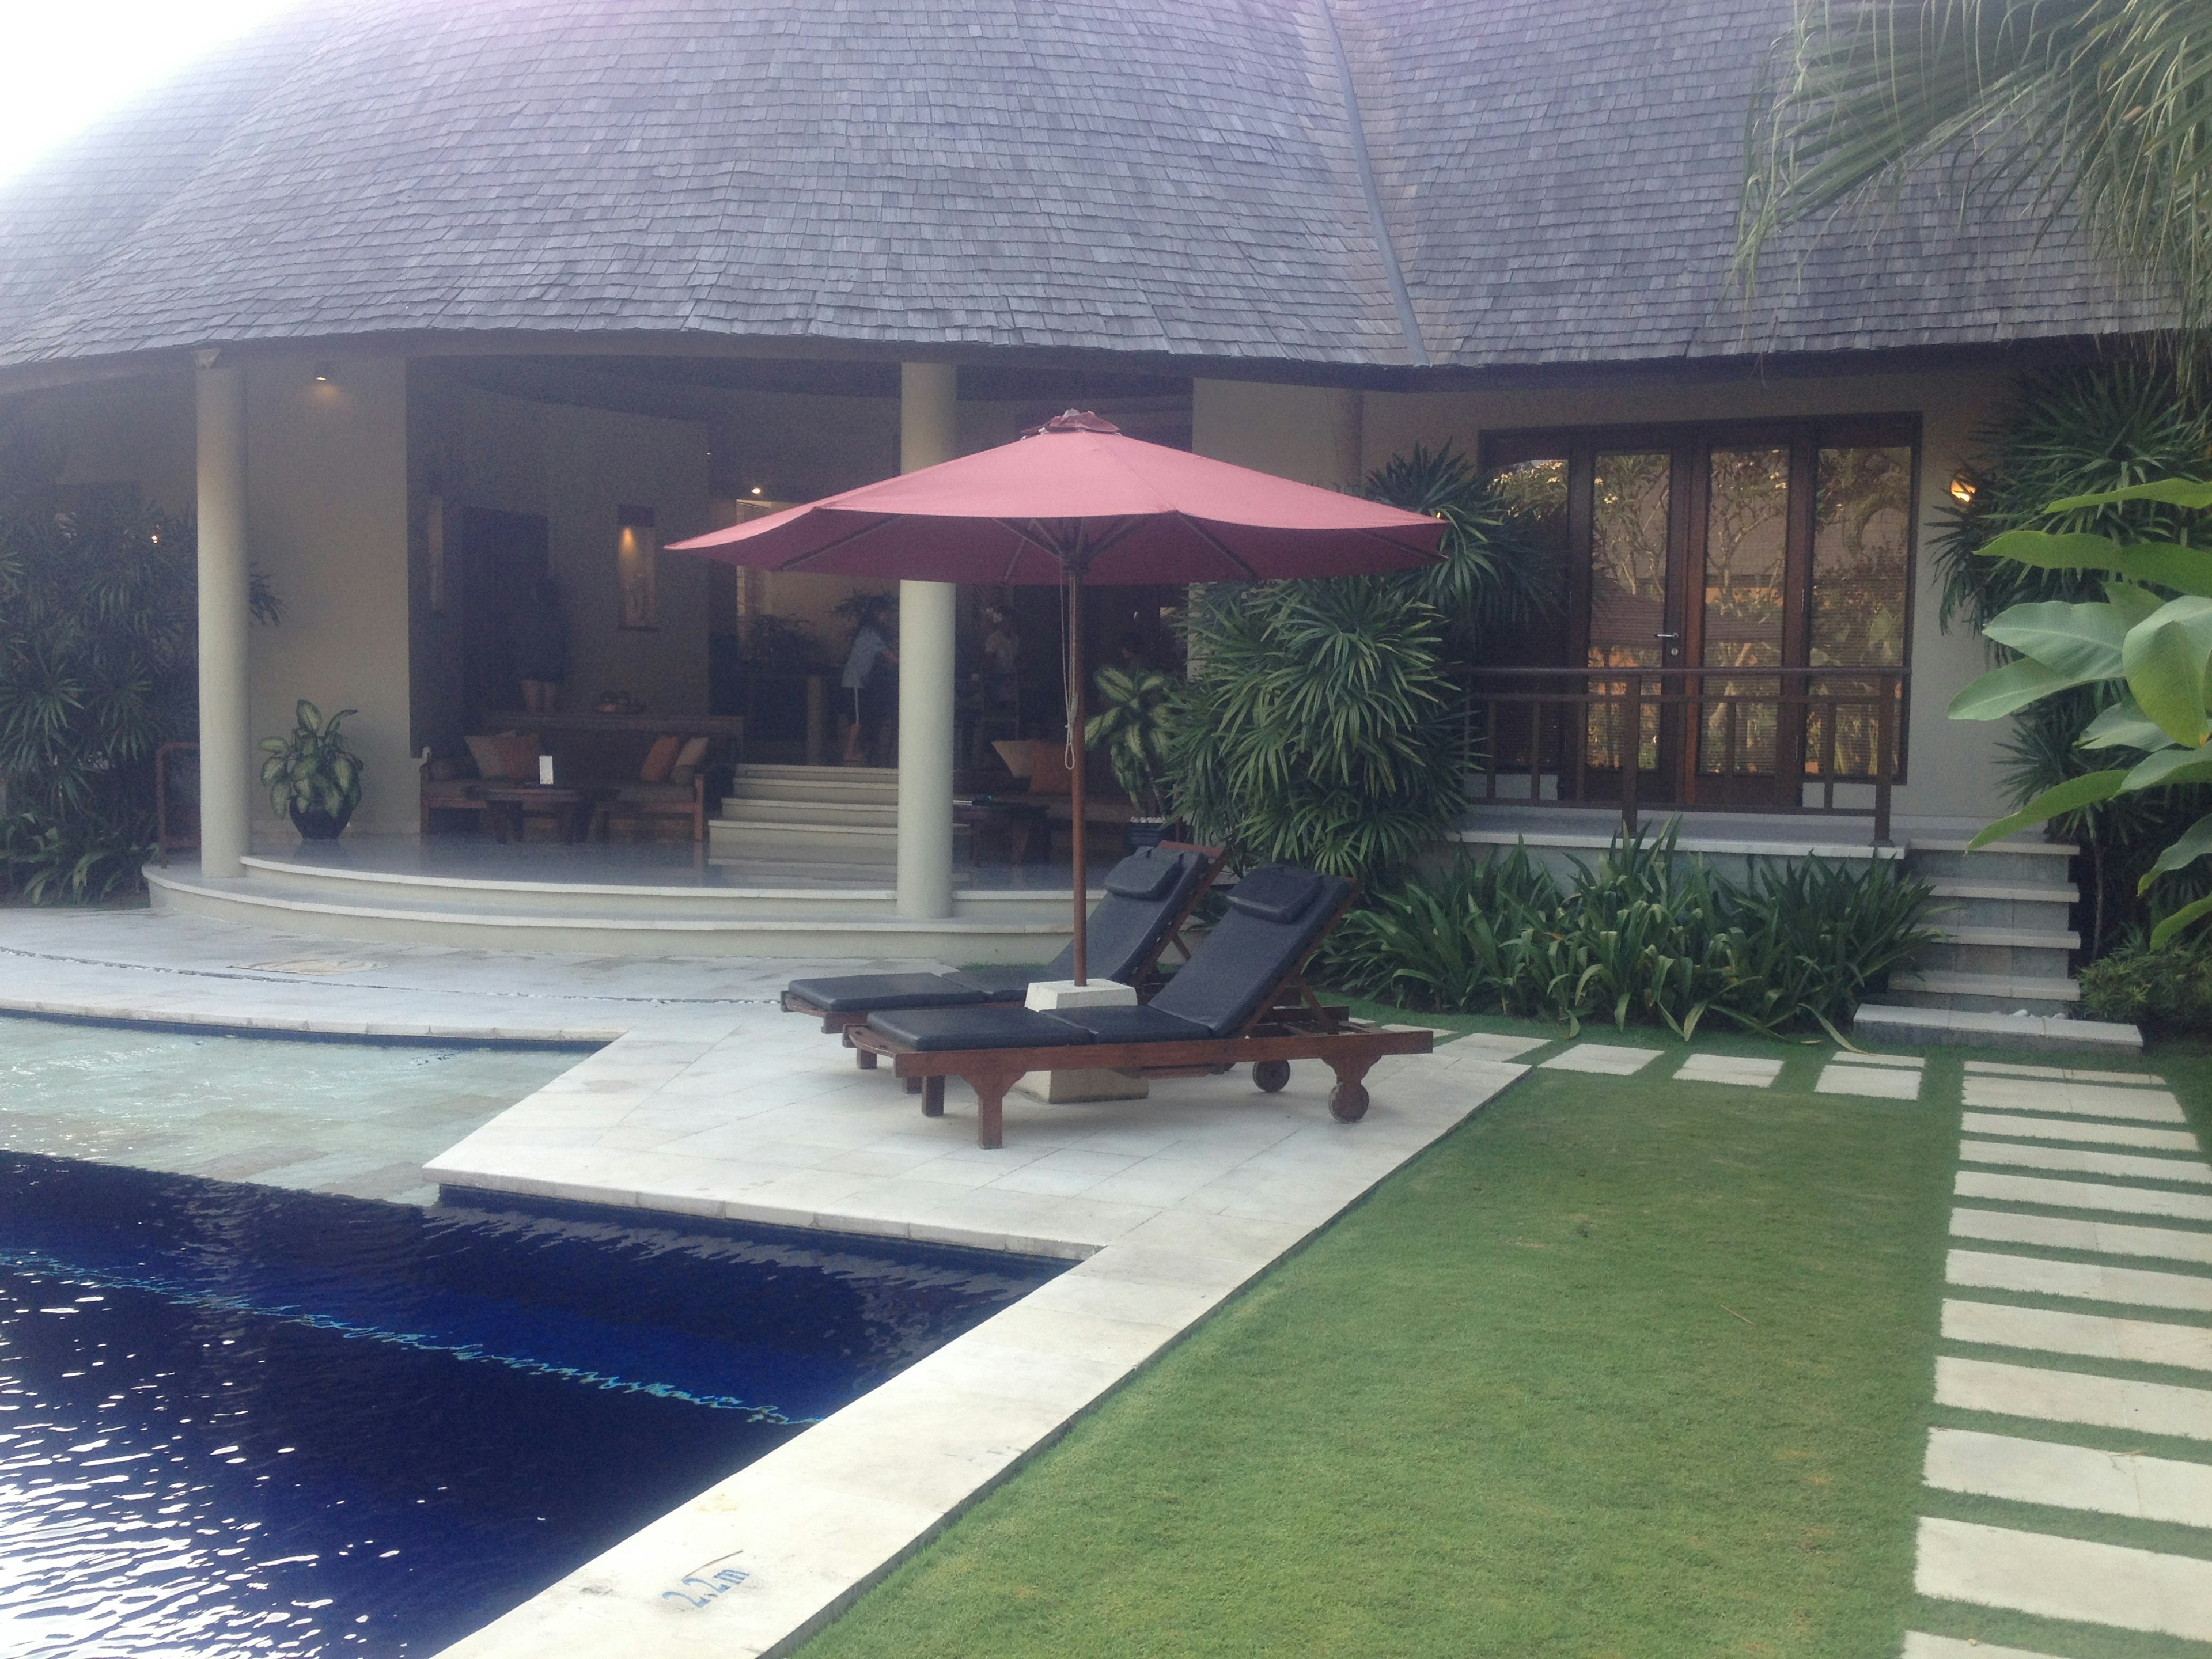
{"x": 1076, "y": 501}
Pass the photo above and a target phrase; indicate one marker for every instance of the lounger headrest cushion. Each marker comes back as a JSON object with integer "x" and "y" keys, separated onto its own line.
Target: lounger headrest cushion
{"x": 1150, "y": 874}
{"x": 1279, "y": 892}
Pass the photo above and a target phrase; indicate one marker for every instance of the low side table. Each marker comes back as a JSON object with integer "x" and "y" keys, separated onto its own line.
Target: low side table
{"x": 507, "y": 804}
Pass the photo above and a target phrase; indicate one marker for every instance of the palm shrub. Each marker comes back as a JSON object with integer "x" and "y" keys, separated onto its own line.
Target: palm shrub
{"x": 1318, "y": 727}
{"x": 98, "y": 669}
{"x": 1645, "y": 937}
{"x": 2077, "y": 433}
{"x": 1493, "y": 576}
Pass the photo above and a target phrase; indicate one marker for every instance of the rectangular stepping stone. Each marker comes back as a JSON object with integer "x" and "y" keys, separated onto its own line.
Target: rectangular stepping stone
{"x": 2069, "y": 1477}
{"x": 2065, "y": 1233}
{"x": 1610, "y": 1058}
{"x": 2106, "y": 1402}
{"x": 1920, "y": 1646}
{"x": 2064, "y": 1578}
{"x": 2074, "y": 1129}
{"x": 2065, "y": 1074}
{"x": 2095, "y": 1336}
{"x": 2195, "y": 1171}
{"x": 2005, "y": 1094}
{"x": 2081, "y": 1195}
{"x": 1877, "y": 1083}
{"x": 1910, "y": 1062}
{"x": 2085, "y": 1281}
{"x": 1498, "y": 1044}
{"x": 1730, "y": 1068}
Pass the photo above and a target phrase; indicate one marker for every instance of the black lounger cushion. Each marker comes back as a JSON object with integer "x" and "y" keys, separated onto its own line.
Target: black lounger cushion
{"x": 853, "y": 993}
{"x": 1148, "y": 874}
{"x": 975, "y": 1028}
{"x": 1145, "y": 1025}
{"x": 1000, "y": 984}
{"x": 1277, "y": 892}
{"x": 1222, "y": 987}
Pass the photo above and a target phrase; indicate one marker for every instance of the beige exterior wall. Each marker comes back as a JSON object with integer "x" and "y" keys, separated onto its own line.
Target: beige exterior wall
{"x": 326, "y": 521}
{"x": 574, "y": 467}
{"x": 1298, "y": 432}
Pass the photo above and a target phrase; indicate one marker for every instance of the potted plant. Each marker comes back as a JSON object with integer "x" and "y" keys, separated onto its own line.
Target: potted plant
{"x": 1131, "y": 730}
{"x": 312, "y": 775}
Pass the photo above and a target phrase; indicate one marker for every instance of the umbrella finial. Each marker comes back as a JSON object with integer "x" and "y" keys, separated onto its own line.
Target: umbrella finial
{"x": 1075, "y": 420}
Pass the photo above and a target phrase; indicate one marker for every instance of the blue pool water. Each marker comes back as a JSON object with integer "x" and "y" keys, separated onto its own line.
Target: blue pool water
{"x": 238, "y": 1420}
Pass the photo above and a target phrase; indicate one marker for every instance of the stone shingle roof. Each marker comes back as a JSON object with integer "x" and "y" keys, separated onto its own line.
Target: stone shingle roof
{"x": 1176, "y": 178}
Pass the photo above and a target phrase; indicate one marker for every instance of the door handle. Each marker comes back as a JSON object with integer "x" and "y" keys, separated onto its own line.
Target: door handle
{"x": 1672, "y": 650}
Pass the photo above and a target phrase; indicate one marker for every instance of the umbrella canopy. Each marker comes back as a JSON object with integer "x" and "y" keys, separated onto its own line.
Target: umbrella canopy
{"x": 1079, "y": 493}
{"x": 1078, "y": 500}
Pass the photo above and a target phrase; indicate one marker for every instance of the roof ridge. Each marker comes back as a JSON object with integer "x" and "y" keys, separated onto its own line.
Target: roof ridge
{"x": 1385, "y": 248}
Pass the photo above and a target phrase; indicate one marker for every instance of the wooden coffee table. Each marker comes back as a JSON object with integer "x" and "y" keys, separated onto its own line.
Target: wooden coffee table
{"x": 507, "y": 804}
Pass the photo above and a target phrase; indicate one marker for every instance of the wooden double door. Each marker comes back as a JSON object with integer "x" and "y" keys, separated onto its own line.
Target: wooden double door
{"x": 1748, "y": 584}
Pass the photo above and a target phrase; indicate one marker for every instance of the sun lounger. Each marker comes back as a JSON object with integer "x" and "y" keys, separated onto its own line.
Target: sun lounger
{"x": 1240, "y": 1000}
{"x": 1149, "y": 897}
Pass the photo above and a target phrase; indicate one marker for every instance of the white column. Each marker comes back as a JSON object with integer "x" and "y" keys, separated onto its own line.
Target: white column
{"x": 928, "y": 413}
{"x": 226, "y": 735}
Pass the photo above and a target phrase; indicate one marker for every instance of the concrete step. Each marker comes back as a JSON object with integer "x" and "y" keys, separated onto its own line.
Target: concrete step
{"x": 2037, "y": 1034}
{"x": 1999, "y": 993}
{"x": 2015, "y": 939}
{"x": 785, "y": 838}
{"x": 2025, "y": 907}
{"x": 2041, "y": 862}
{"x": 859, "y": 815}
{"x": 847, "y": 926}
{"x": 816, "y": 782}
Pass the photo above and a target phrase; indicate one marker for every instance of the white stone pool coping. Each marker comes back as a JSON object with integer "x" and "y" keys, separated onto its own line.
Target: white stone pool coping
{"x": 705, "y": 1101}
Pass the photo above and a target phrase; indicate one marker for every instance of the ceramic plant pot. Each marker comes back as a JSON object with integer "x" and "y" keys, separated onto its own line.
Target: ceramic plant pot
{"x": 315, "y": 824}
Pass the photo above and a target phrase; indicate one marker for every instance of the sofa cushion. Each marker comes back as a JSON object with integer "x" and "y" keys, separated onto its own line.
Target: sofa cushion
{"x": 661, "y": 760}
{"x": 506, "y": 756}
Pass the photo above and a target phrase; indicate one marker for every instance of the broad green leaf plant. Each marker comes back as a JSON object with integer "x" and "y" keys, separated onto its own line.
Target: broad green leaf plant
{"x": 312, "y": 771}
{"x": 2152, "y": 652}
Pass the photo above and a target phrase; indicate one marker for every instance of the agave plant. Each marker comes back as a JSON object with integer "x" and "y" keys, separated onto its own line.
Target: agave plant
{"x": 312, "y": 771}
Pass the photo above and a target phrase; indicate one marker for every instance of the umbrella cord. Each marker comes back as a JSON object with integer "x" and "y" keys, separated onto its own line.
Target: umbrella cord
{"x": 1067, "y": 686}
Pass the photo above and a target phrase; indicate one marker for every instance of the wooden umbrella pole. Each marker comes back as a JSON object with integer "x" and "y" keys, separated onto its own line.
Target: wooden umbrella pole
{"x": 1079, "y": 875}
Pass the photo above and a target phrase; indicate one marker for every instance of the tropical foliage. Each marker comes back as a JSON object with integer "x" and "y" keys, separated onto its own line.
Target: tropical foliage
{"x": 1494, "y": 576}
{"x": 1645, "y": 937}
{"x": 312, "y": 771}
{"x": 2150, "y": 652}
{"x": 2087, "y": 112}
{"x": 1131, "y": 730}
{"x": 2072, "y": 433}
{"x": 1317, "y": 727}
{"x": 2164, "y": 989}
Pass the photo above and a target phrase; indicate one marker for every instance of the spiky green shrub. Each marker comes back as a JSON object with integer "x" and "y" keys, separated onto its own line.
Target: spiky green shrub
{"x": 1318, "y": 727}
{"x": 2166, "y": 990}
{"x": 99, "y": 623}
{"x": 1645, "y": 937}
{"x": 1494, "y": 575}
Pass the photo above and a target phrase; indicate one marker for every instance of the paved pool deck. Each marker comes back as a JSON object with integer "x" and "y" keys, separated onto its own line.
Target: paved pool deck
{"x": 708, "y": 1100}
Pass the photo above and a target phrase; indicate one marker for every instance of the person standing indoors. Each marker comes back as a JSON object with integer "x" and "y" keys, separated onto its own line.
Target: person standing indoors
{"x": 867, "y": 679}
{"x": 541, "y": 645}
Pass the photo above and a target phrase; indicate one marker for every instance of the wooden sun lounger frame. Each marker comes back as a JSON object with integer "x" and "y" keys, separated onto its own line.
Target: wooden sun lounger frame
{"x": 842, "y": 1023}
{"x": 1291, "y": 1024}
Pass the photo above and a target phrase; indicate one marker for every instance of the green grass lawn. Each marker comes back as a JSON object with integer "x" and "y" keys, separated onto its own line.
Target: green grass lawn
{"x": 1623, "y": 1367}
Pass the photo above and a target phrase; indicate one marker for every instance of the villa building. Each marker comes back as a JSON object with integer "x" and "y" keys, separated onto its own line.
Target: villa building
{"x": 411, "y": 302}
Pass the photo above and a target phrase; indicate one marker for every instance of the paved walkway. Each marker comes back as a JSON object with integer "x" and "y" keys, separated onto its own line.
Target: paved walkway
{"x": 2079, "y": 1297}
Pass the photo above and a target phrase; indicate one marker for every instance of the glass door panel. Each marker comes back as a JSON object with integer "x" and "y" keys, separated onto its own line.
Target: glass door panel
{"x": 1632, "y": 507}
{"x": 1746, "y": 562}
{"x": 1862, "y": 580}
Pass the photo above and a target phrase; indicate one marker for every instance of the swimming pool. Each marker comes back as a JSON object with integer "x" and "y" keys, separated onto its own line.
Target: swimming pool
{"x": 346, "y": 1116}
{"x": 237, "y": 1419}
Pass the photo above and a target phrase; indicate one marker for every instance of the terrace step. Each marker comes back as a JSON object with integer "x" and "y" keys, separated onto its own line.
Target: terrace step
{"x": 1998, "y": 994}
{"x": 2016, "y": 939}
{"x": 768, "y": 838}
{"x": 857, "y": 815}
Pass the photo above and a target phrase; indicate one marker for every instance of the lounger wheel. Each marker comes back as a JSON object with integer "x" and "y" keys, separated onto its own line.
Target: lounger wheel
{"x": 1269, "y": 1075}
{"x": 1348, "y": 1102}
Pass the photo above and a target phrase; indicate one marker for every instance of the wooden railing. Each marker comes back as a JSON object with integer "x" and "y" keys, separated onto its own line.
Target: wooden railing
{"x": 1708, "y": 739}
